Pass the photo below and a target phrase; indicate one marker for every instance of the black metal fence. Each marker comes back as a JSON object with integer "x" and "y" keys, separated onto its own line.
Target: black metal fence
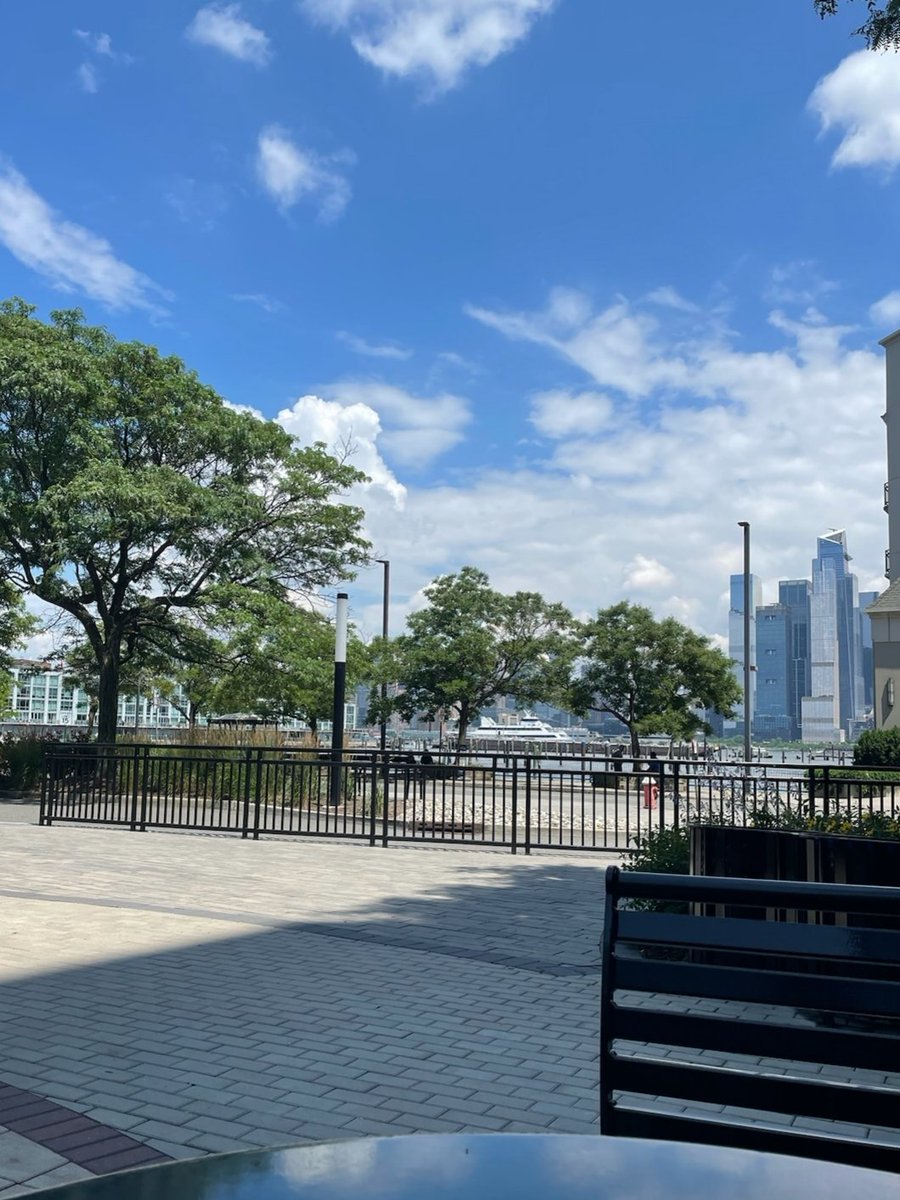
{"x": 521, "y": 802}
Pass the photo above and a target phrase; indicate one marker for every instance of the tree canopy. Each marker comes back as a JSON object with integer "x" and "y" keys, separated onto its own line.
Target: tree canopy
{"x": 651, "y": 675}
{"x": 471, "y": 644}
{"x": 136, "y": 501}
{"x": 881, "y": 28}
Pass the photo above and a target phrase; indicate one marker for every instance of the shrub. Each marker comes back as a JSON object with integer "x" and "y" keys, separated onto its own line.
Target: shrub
{"x": 666, "y": 850}
{"x": 21, "y": 760}
{"x": 878, "y": 748}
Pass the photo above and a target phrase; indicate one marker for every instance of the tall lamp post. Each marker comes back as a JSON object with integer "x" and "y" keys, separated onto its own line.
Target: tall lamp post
{"x": 748, "y": 746}
{"x": 385, "y": 629}
{"x": 340, "y": 681}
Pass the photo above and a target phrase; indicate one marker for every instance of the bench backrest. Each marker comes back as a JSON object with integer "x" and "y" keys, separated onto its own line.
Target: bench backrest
{"x": 773, "y": 1006}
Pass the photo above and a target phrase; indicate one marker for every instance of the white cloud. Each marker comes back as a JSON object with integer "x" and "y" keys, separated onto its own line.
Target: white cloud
{"x": 417, "y": 429}
{"x": 667, "y": 297}
{"x": 798, "y": 282}
{"x": 87, "y": 78}
{"x": 646, "y": 504}
{"x": 222, "y": 27}
{"x": 371, "y": 349}
{"x": 68, "y": 255}
{"x": 353, "y": 427}
{"x": 433, "y": 40}
{"x": 861, "y": 100}
{"x": 290, "y": 174}
{"x": 260, "y": 299}
{"x": 646, "y": 574}
{"x": 561, "y": 414}
{"x": 886, "y": 311}
{"x": 100, "y": 45}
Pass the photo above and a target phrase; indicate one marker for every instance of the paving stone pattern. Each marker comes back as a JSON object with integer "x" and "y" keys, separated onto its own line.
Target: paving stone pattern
{"x": 200, "y": 994}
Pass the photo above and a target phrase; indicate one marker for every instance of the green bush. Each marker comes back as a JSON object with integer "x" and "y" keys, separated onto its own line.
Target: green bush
{"x": 667, "y": 850}
{"x": 21, "y": 761}
{"x": 878, "y": 748}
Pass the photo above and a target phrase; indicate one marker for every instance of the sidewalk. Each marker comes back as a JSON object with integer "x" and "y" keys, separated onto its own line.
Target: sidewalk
{"x": 195, "y": 994}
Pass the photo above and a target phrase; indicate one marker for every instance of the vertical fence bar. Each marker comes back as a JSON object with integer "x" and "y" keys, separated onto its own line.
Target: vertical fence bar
{"x": 515, "y": 805}
{"x": 826, "y": 790}
{"x": 135, "y": 787}
{"x": 258, "y": 799}
{"x": 145, "y": 771}
{"x": 245, "y": 830}
{"x": 528, "y": 803}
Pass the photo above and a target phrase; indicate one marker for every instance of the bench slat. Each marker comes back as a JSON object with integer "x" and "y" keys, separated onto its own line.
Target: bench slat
{"x": 867, "y": 997}
{"x": 761, "y": 937}
{"x": 828, "y": 1099}
{"x": 620, "y": 1121}
{"x": 765, "y": 1039}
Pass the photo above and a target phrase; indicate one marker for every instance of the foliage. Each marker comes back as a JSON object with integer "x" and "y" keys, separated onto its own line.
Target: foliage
{"x": 277, "y": 660}
{"x": 667, "y": 850}
{"x": 137, "y": 502}
{"x": 472, "y": 644}
{"x": 882, "y": 26}
{"x": 22, "y": 759}
{"x": 878, "y": 748}
{"x": 651, "y": 675}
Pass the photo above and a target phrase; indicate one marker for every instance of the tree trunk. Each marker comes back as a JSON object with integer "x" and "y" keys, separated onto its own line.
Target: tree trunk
{"x": 108, "y": 691}
{"x": 635, "y": 742}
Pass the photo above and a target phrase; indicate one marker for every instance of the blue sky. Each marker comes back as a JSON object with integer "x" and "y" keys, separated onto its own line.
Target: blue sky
{"x": 578, "y": 293}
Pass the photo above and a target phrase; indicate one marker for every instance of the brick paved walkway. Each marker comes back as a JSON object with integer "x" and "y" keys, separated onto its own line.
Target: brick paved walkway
{"x": 198, "y": 994}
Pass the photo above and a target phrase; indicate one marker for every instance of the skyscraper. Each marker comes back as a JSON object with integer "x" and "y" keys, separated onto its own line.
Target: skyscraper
{"x": 832, "y": 557}
{"x": 794, "y": 594}
{"x": 736, "y": 635}
{"x": 772, "y": 713}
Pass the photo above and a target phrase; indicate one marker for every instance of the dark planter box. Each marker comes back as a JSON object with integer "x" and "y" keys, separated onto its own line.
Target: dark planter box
{"x": 812, "y": 857}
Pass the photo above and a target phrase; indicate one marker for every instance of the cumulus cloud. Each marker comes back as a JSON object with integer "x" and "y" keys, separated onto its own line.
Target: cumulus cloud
{"x": 372, "y": 349}
{"x": 861, "y": 99}
{"x": 348, "y": 429}
{"x": 222, "y": 27}
{"x": 646, "y": 574}
{"x": 290, "y": 173}
{"x": 645, "y": 504}
{"x": 559, "y": 413}
{"x": 68, "y": 255}
{"x": 435, "y": 41}
{"x": 886, "y": 311}
{"x": 417, "y": 429}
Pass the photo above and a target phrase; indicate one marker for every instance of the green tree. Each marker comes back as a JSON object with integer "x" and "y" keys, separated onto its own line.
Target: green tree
{"x": 135, "y": 500}
{"x": 16, "y": 623}
{"x": 278, "y": 661}
{"x": 472, "y": 644}
{"x": 882, "y": 26}
{"x": 651, "y": 675}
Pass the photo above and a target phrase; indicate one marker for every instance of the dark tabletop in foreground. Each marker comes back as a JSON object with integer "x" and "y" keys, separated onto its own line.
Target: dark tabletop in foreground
{"x": 491, "y": 1167}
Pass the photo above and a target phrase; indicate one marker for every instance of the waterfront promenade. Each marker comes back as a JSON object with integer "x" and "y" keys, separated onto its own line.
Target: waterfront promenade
{"x": 168, "y": 994}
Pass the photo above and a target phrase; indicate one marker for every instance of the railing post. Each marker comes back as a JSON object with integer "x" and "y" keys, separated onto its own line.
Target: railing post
{"x": 145, "y": 780}
{"x": 514, "y": 833}
{"x": 135, "y": 787}
{"x": 373, "y": 800}
{"x": 811, "y": 789}
{"x": 257, "y": 802}
{"x": 826, "y": 790}
{"x": 248, "y": 758}
{"x": 528, "y": 804}
{"x": 385, "y": 775}
{"x": 47, "y": 792}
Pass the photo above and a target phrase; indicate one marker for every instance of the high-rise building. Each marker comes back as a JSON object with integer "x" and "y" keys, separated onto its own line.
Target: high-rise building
{"x": 772, "y": 713}
{"x": 832, "y": 558}
{"x": 736, "y": 636}
{"x": 793, "y": 594}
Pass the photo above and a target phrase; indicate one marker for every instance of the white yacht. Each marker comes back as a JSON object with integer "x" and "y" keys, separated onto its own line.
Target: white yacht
{"x": 526, "y": 728}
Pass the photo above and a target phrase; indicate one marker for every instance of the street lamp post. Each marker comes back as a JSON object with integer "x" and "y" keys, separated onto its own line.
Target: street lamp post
{"x": 748, "y": 745}
{"x": 340, "y": 682}
{"x": 385, "y": 630}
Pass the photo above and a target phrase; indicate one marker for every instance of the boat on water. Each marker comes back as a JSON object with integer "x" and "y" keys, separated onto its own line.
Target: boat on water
{"x": 526, "y": 728}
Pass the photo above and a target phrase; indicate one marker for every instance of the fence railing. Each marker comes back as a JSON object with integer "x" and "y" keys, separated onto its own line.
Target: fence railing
{"x": 521, "y": 802}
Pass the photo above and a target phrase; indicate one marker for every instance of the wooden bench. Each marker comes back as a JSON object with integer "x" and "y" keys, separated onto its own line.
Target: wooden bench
{"x": 781, "y": 998}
